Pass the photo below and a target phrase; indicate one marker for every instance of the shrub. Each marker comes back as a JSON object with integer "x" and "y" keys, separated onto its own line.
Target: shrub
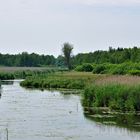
{"x": 134, "y": 72}
{"x": 79, "y": 68}
{"x": 107, "y": 68}
{"x": 119, "y": 69}
{"x": 6, "y": 76}
{"x": 99, "y": 69}
{"x": 87, "y": 67}
{"x": 84, "y": 68}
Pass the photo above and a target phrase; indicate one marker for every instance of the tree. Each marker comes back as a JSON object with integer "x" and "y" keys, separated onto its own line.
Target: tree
{"x": 60, "y": 61}
{"x": 67, "y": 51}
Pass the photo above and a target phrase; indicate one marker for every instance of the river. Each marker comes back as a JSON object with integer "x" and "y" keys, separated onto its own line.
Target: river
{"x": 50, "y": 115}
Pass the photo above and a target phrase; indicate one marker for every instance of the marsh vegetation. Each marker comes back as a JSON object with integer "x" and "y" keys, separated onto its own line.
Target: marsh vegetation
{"x": 119, "y": 93}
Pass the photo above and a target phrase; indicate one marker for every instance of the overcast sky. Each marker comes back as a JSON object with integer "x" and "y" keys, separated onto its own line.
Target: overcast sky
{"x": 42, "y": 26}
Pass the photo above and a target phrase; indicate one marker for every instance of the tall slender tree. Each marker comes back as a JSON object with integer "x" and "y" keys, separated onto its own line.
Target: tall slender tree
{"x": 67, "y": 51}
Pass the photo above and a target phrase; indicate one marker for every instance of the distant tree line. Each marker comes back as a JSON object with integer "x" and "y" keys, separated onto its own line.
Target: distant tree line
{"x": 113, "y": 56}
{"x": 27, "y": 60}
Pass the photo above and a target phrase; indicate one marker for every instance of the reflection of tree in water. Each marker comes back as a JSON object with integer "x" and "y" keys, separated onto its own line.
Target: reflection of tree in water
{"x": 131, "y": 122}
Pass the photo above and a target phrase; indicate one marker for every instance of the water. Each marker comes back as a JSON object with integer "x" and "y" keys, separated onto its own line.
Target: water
{"x": 46, "y": 115}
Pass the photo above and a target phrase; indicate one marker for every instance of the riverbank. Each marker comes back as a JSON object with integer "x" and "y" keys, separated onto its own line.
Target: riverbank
{"x": 119, "y": 93}
{"x": 65, "y": 80}
{"x": 115, "y": 96}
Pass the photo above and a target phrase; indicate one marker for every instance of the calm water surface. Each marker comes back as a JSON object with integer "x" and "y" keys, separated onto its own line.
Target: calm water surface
{"x": 46, "y": 115}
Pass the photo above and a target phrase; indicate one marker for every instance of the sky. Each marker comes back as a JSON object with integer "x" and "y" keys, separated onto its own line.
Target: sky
{"x": 42, "y": 26}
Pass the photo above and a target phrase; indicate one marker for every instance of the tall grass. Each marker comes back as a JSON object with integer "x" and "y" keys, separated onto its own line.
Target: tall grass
{"x": 67, "y": 80}
{"x": 115, "y": 96}
{"x": 23, "y": 74}
{"x": 53, "y": 82}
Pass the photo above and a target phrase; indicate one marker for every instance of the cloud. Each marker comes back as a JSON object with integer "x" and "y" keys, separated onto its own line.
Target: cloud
{"x": 69, "y": 2}
{"x": 114, "y": 2}
{"x": 106, "y": 2}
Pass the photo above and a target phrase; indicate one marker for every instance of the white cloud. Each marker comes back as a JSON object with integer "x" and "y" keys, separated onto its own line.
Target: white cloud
{"x": 61, "y": 2}
{"x": 106, "y": 2}
{"x": 114, "y": 2}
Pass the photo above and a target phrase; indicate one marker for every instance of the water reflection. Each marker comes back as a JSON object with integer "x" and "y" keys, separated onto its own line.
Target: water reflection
{"x": 128, "y": 121}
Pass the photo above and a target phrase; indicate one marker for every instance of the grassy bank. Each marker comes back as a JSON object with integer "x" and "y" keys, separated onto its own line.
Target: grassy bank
{"x": 67, "y": 80}
{"x": 9, "y": 73}
{"x": 115, "y": 96}
{"x": 22, "y": 74}
{"x": 118, "y": 93}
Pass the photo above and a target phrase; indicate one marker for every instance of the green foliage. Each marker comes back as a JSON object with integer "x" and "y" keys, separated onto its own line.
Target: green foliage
{"x": 79, "y": 68}
{"x": 99, "y": 69}
{"x": 84, "y": 68}
{"x": 107, "y": 68}
{"x": 23, "y": 74}
{"x": 6, "y": 76}
{"x": 60, "y": 61}
{"x": 119, "y": 69}
{"x": 67, "y": 51}
{"x": 125, "y": 68}
{"x": 115, "y": 69}
{"x": 115, "y": 96}
{"x": 134, "y": 72}
{"x": 113, "y": 56}
{"x": 53, "y": 82}
{"x": 26, "y": 60}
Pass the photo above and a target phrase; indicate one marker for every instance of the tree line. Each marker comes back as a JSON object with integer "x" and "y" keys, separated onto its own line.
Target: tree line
{"x": 26, "y": 60}
{"x": 113, "y": 56}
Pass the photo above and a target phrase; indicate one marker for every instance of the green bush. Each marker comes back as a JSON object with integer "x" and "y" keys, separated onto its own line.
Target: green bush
{"x": 79, "y": 68}
{"x": 6, "y": 76}
{"x": 99, "y": 69}
{"x": 120, "y": 69}
{"x": 87, "y": 67}
{"x": 134, "y": 72}
{"x": 117, "y": 69}
{"x": 84, "y": 68}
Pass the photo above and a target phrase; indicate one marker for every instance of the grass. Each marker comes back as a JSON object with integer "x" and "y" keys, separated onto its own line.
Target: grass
{"x": 119, "y": 97}
{"x": 9, "y": 73}
{"x": 72, "y": 80}
{"x": 118, "y": 79}
{"x": 15, "y": 69}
